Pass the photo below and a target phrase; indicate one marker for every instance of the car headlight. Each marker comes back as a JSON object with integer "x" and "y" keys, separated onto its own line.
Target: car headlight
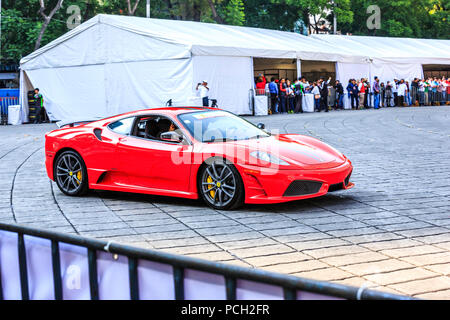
{"x": 261, "y": 155}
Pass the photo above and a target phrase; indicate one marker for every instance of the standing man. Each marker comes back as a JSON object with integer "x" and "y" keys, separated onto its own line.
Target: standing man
{"x": 299, "y": 91}
{"x": 203, "y": 89}
{"x": 39, "y": 106}
{"x": 352, "y": 89}
{"x": 376, "y": 93}
{"x": 273, "y": 90}
{"x": 395, "y": 91}
{"x": 324, "y": 93}
{"x": 401, "y": 93}
{"x": 282, "y": 92}
{"x": 340, "y": 95}
{"x": 414, "y": 91}
{"x": 361, "y": 93}
{"x": 388, "y": 94}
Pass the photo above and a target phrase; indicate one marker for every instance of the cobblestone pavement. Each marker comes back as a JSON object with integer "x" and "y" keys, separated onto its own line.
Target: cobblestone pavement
{"x": 391, "y": 232}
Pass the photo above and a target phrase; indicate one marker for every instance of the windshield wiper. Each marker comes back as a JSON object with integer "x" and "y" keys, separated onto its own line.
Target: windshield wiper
{"x": 220, "y": 140}
{"x": 256, "y": 137}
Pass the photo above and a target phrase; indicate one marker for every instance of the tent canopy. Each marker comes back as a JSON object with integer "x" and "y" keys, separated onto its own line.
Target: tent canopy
{"x": 186, "y": 36}
{"x": 395, "y": 50}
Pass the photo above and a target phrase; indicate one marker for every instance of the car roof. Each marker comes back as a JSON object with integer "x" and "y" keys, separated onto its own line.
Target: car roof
{"x": 171, "y": 110}
{"x": 174, "y": 111}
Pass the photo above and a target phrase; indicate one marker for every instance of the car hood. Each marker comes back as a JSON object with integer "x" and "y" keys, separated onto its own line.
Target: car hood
{"x": 298, "y": 150}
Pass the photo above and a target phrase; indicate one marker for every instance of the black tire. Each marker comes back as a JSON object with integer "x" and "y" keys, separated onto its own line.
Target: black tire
{"x": 70, "y": 174}
{"x": 220, "y": 185}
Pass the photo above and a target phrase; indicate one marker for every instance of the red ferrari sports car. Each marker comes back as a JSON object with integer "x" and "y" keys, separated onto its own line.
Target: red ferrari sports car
{"x": 193, "y": 152}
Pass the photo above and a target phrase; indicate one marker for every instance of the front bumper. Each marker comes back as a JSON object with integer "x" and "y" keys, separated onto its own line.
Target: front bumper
{"x": 269, "y": 185}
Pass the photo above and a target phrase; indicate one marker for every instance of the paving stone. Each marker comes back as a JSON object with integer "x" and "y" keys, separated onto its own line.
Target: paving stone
{"x": 301, "y": 237}
{"x": 428, "y": 259}
{"x": 411, "y": 251}
{"x": 370, "y": 238}
{"x": 443, "y": 245}
{"x": 290, "y": 268}
{"x": 423, "y": 286}
{"x": 261, "y": 251}
{"x": 425, "y": 232}
{"x": 362, "y": 269}
{"x": 277, "y": 259}
{"x": 355, "y": 258}
{"x": 443, "y": 269}
{"x": 437, "y": 239}
{"x": 439, "y": 295}
{"x": 326, "y": 243}
{"x": 159, "y": 244}
{"x": 215, "y": 256}
{"x": 250, "y": 243}
{"x": 385, "y": 245}
{"x": 329, "y": 274}
{"x": 357, "y": 282}
{"x": 201, "y": 248}
{"x": 335, "y": 251}
{"x": 353, "y": 232}
{"x": 400, "y": 276}
{"x": 405, "y": 226}
{"x": 296, "y": 230}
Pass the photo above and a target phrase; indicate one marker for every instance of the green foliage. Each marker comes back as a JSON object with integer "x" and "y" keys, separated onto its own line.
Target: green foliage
{"x": 401, "y": 18}
{"x": 234, "y": 12}
{"x": 18, "y": 35}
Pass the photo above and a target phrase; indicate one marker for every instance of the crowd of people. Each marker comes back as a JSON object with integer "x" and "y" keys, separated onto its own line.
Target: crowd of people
{"x": 286, "y": 96}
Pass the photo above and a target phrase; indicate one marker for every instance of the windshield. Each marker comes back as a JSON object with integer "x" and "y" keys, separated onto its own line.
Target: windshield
{"x": 219, "y": 126}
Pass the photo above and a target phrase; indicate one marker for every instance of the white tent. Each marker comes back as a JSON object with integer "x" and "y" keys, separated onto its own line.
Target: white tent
{"x": 399, "y": 58}
{"x": 112, "y": 64}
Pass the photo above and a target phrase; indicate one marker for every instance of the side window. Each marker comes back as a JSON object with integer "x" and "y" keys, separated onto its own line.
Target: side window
{"x": 122, "y": 126}
{"x": 151, "y": 127}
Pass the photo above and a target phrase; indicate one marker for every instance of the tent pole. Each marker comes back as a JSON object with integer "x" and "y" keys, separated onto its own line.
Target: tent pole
{"x": 299, "y": 68}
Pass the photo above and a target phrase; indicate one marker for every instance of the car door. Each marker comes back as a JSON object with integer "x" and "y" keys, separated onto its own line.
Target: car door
{"x": 155, "y": 164}
{"x": 101, "y": 150}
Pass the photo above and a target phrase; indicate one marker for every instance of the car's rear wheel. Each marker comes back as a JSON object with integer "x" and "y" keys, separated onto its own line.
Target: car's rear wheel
{"x": 220, "y": 185}
{"x": 70, "y": 173}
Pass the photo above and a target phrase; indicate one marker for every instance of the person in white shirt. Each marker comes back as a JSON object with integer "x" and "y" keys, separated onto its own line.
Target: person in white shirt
{"x": 402, "y": 89}
{"x": 316, "y": 92}
{"x": 395, "y": 91}
{"x": 203, "y": 90}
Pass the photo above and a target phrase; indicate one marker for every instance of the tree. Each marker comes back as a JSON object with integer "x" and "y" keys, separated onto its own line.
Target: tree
{"x": 132, "y": 9}
{"x": 319, "y": 10}
{"x": 234, "y": 12}
{"x": 47, "y": 19}
{"x": 216, "y": 17}
{"x": 24, "y": 31}
{"x": 403, "y": 18}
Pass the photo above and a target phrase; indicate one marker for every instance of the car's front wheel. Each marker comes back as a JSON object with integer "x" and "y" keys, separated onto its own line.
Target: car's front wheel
{"x": 70, "y": 173}
{"x": 220, "y": 185}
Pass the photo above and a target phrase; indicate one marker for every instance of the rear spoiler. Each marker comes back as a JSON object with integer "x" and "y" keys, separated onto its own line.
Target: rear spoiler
{"x": 72, "y": 123}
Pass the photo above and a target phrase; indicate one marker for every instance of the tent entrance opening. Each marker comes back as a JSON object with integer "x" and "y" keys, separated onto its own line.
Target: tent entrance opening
{"x": 276, "y": 68}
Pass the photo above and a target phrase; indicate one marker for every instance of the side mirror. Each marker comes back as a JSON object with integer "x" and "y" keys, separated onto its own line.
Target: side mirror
{"x": 171, "y": 136}
{"x": 261, "y": 126}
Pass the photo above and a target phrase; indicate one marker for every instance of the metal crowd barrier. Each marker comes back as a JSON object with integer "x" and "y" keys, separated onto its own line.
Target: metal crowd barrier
{"x": 433, "y": 98}
{"x": 5, "y": 102}
{"x": 39, "y": 265}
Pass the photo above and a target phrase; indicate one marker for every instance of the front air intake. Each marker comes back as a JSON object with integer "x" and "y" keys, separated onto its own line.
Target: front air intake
{"x": 302, "y": 187}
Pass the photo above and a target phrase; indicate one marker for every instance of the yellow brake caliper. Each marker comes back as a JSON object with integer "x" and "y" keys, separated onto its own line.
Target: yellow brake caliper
{"x": 79, "y": 176}
{"x": 212, "y": 193}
